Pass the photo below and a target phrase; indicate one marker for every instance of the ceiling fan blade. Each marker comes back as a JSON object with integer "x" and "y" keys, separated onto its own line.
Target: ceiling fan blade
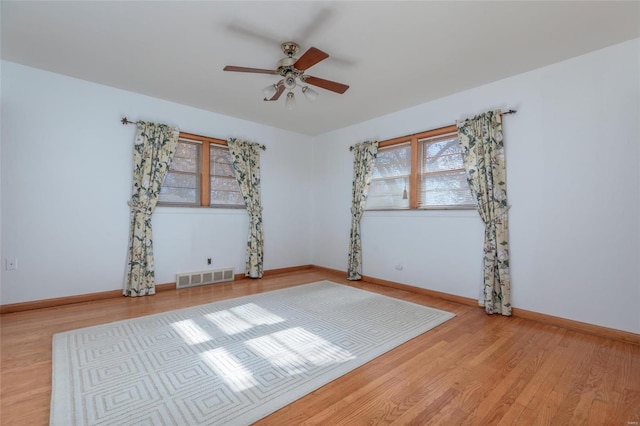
{"x": 326, "y": 84}
{"x": 320, "y": 19}
{"x": 279, "y": 92}
{"x": 310, "y": 58}
{"x": 245, "y": 31}
{"x": 253, "y": 70}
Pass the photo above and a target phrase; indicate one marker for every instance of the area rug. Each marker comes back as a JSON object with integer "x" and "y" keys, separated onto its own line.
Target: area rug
{"x": 231, "y": 362}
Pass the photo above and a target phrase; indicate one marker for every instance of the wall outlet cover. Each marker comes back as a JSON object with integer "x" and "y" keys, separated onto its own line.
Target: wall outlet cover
{"x": 11, "y": 263}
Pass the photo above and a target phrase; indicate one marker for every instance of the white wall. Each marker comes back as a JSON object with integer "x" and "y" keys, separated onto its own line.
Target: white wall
{"x": 573, "y": 170}
{"x": 66, "y": 177}
{"x": 573, "y": 157}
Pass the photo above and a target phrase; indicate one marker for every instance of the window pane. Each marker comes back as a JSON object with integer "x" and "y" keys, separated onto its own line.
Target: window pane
{"x": 446, "y": 189}
{"x": 393, "y": 161}
{"x": 390, "y": 178}
{"x": 179, "y": 188}
{"x": 181, "y": 185}
{"x": 178, "y": 195}
{"x": 221, "y": 162}
{"x": 388, "y": 194}
{"x": 224, "y": 184}
{"x": 226, "y": 198}
{"x": 225, "y": 190}
{"x": 443, "y": 181}
{"x": 442, "y": 155}
{"x": 185, "y": 158}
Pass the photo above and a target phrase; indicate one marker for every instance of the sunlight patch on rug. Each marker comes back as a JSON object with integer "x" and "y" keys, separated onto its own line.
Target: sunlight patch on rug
{"x": 230, "y": 362}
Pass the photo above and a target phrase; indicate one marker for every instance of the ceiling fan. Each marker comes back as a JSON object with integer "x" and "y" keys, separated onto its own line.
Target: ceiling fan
{"x": 292, "y": 70}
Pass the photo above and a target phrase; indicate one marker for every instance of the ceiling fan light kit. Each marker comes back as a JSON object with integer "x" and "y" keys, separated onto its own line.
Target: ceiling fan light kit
{"x": 290, "y": 80}
{"x": 309, "y": 93}
{"x": 292, "y": 70}
{"x": 290, "y": 103}
{"x": 270, "y": 91}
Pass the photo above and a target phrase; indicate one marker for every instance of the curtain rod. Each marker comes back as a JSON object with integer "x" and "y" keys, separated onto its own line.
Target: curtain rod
{"x": 511, "y": 111}
{"x": 125, "y": 121}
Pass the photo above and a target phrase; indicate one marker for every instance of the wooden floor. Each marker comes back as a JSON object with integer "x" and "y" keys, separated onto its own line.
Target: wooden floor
{"x": 472, "y": 370}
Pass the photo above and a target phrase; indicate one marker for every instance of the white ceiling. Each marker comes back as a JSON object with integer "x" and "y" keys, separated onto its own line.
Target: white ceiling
{"x": 394, "y": 55}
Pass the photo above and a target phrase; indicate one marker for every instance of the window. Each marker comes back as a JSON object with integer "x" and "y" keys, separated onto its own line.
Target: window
{"x": 181, "y": 185}
{"x": 422, "y": 171}
{"x": 201, "y": 174}
{"x": 390, "y": 180}
{"x": 224, "y": 188}
{"x": 443, "y": 179}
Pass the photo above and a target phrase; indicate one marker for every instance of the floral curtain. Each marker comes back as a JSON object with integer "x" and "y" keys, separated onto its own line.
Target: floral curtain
{"x": 153, "y": 150}
{"x": 483, "y": 154}
{"x": 246, "y": 164}
{"x": 364, "y": 155}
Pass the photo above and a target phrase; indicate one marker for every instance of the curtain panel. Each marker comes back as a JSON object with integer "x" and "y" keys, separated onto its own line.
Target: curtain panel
{"x": 246, "y": 165}
{"x": 364, "y": 155}
{"x": 482, "y": 145}
{"x": 153, "y": 149}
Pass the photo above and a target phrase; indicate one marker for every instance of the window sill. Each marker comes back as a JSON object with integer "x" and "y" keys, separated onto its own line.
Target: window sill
{"x": 404, "y": 213}
{"x": 200, "y": 210}
{"x": 404, "y": 209}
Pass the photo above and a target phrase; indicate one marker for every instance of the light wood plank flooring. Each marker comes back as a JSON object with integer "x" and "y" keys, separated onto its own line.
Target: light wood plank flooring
{"x": 473, "y": 370}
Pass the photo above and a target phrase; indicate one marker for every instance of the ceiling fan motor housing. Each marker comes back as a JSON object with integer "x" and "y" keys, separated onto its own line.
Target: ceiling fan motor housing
{"x": 286, "y": 64}
{"x": 287, "y": 70}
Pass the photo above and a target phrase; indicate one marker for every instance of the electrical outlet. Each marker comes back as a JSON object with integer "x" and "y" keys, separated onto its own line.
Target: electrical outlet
{"x": 11, "y": 263}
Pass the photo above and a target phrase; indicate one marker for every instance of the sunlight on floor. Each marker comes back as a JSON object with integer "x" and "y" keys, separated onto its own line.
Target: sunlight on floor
{"x": 242, "y": 318}
{"x": 229, "y": 369}
{"x": 294, "y": 350}
{"x": 191, "y": 332}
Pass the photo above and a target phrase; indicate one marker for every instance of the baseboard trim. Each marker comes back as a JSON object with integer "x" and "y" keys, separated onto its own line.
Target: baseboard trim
{"x": 58, "y": 301}
{"x": 597, "y": 330}
{"x": 341, "y": 274}
{"x": 610, "y": 333}
{"x": 420, "y": 290}
{"x": 92, "y": 297}
{"x": 406, "y": 287}
{"x": 278, "y": 271}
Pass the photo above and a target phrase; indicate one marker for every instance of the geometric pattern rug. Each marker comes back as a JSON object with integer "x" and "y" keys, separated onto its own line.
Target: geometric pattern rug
{"x": 230, "y": 362}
